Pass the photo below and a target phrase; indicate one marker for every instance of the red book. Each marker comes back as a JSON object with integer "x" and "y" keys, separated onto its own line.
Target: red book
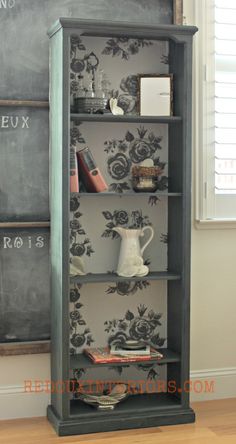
{"x": 74, "y": 177}
{"x": 90, "y": 173}
{"x": 102, "y": 355}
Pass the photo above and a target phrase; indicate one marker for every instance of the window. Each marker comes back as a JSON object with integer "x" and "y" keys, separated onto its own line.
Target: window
{"x": 216, "y": 115}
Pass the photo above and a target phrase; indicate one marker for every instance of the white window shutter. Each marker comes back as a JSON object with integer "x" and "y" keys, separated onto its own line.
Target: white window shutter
{"x": 215, "y": 111}
{"x": 225, "y": 97}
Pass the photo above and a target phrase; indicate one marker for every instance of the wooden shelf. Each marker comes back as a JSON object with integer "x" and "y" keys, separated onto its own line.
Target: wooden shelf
{"x": 25, "y": 103}
{"x": 24, "y": 348}
{"x": 112, "y": 277}
{"x": 35, "y": 224}
{"x": 82, "y": 361}
{"x": 125, "y": 118}
{"x": 134, "y": 403}
{"x": 127, "y": 194}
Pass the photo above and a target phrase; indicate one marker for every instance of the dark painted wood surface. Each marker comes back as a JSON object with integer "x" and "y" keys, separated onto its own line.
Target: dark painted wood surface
{"x": 171, "y": 410}
{"x": 106, "y": 28}
{"x": 134, "y": 404}
{"x": 129, "y": 193}
{"x": 166, "y": 412}
{"x": 158, "y": 275}
{"x": 59, "y": 208}
{"x": 180, "y": 214}
{"x": 82, "y": 361}
{"x": 125, "y": 118}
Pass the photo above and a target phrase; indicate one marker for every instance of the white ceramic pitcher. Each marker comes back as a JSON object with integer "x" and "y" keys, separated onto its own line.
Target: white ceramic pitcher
{"x": 131, "y": 253}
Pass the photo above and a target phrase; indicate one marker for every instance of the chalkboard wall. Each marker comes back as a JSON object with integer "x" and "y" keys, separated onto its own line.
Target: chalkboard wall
{"x": 24, "y": 285}
{"x": 24, "y": 42}
{"x": 24, "y": 55}
{"x": 24, "y": 162}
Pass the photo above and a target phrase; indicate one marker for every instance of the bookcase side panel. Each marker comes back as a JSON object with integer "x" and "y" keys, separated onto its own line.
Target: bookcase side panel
{"x": 179, "y": 225}
{"x": 187, "y": 172}
{"x": 59, "y": 221}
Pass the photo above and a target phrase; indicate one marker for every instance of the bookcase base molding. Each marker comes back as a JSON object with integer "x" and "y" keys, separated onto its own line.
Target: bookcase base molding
{"x": 107, "y": 422}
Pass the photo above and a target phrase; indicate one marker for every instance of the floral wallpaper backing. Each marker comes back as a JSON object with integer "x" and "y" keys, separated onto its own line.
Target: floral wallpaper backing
{"x": 104, "y": 313}
{"x": 93, "y": 240}
{"x": 118, "y": 146}
{"x": 121, "y": 59}
{"x": 101, "y": 314}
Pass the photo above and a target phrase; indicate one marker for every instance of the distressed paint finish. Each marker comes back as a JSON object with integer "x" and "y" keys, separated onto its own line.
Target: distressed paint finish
{"x": 146, "y": 410}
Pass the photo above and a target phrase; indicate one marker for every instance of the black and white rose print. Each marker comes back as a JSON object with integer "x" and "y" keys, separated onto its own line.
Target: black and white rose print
{"x": 86, "y": 61}
{"x": 75, "y": 134}
{"x": 124, "y": 47}
{"x": 133, "y": 149}
{"x": 119, "y": 166}
{"x": 164, "y": 238}
{"x": 80, "y": 244}
{"x": 128, "y": 97}
{"x": 82, "y": 62}
{"x": 80, "y": 335}
{"x": 126, "y": 288}
{"x": 142, "y": 326}
{"x": 153, "y": 200}
{"x": 129, "y": 85}
{"x": 133, "y": 220}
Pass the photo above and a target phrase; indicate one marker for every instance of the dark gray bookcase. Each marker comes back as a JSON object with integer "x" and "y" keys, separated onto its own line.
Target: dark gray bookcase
{"x": 70, "y": 416}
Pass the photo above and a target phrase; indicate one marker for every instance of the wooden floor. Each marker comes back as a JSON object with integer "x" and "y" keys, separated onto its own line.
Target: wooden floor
{"x": 216, "y": 424}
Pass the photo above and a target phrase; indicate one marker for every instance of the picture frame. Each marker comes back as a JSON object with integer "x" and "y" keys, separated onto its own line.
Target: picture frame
{"x": 159, "y": 86}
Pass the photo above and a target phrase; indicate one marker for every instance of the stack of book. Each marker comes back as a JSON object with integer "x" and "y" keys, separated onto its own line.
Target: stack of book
{"x": 84, "y": 168}
{"x": 103, "y": 355}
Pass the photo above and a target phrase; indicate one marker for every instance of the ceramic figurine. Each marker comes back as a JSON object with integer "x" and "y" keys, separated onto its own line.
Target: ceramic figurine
{"x": 115, "y": 109}
{"x": 77, "y": 266}
{"x": 130, "y": 259}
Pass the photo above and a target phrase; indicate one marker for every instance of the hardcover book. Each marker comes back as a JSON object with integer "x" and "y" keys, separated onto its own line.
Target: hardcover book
{"x": 74, "y": 177}
{"x": 119, "y": 350}
{"x": 90, "y": 173}
{"x": 102, "y": 355}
